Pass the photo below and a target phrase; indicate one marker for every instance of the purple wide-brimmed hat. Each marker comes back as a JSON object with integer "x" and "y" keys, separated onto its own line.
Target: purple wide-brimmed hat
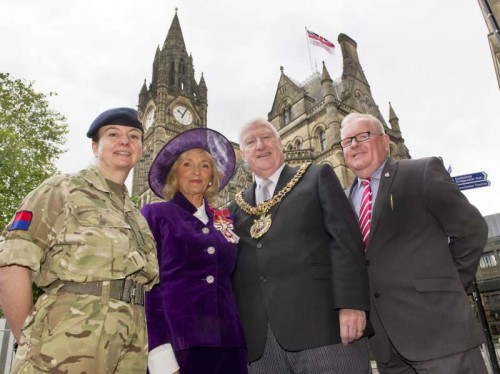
{"x": 210, "y": 140}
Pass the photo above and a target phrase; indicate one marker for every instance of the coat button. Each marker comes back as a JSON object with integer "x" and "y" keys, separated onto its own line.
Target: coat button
{"x": 210, "y": 279}
{"x": 205, "y": 230}
{"x": 263, "y": 279}
{"x": 376, "y": 295}
{"x": 211, "y": 250}
{"x": 259, "y": 245}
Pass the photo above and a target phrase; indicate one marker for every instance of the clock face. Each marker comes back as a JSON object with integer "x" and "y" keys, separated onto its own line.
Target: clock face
{"x": 183, "y": 115}
{"x": 150, "y": 117}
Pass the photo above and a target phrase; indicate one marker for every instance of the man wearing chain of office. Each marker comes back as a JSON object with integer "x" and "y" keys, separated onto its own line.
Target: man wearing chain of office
{"x": 300, "y": 281}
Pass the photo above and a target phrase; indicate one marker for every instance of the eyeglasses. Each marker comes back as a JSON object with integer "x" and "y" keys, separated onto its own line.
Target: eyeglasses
{"x": 360, "y": 138}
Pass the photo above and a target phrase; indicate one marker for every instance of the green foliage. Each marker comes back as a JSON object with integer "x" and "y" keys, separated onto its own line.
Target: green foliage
{"x": 136, "y": 200}
{"x": 31, "y": 140}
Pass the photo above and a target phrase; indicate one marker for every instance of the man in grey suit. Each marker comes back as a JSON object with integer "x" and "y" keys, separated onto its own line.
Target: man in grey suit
{"x": 423, "y": 247}
{"x": 300, "y": 280}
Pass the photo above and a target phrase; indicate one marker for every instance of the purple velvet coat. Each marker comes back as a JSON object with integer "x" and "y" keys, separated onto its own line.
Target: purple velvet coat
{"x": 193, "y": 305}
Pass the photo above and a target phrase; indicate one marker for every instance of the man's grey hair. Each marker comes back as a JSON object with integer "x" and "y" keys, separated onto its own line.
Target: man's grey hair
{"x": 356, "y": 116}
{"x": 256, "y": 121}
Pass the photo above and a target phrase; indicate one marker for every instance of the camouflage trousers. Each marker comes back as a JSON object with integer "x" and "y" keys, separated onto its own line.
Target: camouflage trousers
{"x": 71, "y": 333}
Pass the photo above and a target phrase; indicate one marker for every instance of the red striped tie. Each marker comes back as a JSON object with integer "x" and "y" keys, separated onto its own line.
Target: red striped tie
{"x": 365, "y": 213}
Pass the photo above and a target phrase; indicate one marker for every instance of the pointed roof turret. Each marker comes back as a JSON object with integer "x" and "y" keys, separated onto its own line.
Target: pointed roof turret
{"x": 393, "y": 119}
{"x": 327, "y": 85}
{"x": 156, "y": 63}
{"x": 202, "y": 83}
{"x": 202, "y": 87}
{"x": 174, "y": 37}
{"x": 392, "y": 114}
{"x": 143, "y": 95}
{"x": 325, "y": 76}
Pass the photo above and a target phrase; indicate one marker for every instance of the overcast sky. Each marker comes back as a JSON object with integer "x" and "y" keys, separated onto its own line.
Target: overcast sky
{"x": 429, "y": 58}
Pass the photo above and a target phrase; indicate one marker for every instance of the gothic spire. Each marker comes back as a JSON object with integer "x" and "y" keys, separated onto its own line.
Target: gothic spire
{"x": 202, "y": 89}
{"x": 174, "y": 38}
{"x": 143, "y": 95}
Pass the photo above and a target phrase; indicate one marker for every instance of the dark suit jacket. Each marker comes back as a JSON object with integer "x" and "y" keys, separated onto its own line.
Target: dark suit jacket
{"x": 424, "y": 247}
{"x": 307, "y": 266}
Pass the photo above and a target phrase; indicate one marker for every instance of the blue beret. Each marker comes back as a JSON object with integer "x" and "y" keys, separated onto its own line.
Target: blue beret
{"x": 115, "y": 116}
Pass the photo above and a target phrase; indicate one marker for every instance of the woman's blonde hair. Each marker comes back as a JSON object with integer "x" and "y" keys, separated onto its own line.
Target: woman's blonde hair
{"x": 172, "y": 184}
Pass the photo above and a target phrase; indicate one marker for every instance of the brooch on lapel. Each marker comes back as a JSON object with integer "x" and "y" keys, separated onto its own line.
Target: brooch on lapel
{"x": 224, "y": 224}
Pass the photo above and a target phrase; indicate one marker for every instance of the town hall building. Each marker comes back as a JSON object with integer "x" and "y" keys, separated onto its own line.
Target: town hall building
{"x": 307, "y": 115}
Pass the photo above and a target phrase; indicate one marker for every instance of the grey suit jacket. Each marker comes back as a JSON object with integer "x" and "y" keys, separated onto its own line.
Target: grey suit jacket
{"x": 307, "y": 266}
{"x": 424, "y": 247}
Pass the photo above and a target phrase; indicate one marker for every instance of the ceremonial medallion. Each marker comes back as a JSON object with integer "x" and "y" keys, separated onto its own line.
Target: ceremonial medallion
{"x": 260, "y": 226}
{"x": 224, "y": 224}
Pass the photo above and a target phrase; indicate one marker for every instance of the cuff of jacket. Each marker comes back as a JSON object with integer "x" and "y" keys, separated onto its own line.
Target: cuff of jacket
{"x": 161, "y": 360}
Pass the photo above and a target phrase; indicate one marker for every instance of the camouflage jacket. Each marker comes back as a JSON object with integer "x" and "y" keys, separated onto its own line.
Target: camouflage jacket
{"x": 77, "y": 229}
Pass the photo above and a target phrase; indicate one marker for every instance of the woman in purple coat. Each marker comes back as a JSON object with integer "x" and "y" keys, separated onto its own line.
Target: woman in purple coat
{"x": 192, "y": 317}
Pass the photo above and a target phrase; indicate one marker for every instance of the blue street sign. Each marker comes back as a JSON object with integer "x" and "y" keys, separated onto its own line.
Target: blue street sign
{"x": 469, "y": 178}
{"x": 468, "y": 186}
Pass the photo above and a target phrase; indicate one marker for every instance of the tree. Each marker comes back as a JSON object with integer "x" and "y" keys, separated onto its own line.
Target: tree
{"x": 31, "y": 140}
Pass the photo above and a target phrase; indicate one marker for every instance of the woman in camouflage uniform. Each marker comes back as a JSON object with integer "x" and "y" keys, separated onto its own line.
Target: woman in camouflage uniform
{"x": 80, "y": 238}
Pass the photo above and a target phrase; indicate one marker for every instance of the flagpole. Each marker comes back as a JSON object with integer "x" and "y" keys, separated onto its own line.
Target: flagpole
{"x": 309, "y": 50}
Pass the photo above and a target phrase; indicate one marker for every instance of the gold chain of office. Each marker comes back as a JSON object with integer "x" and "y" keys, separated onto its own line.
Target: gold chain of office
{"x": 264, "y": 206}
{"x": 262, "y": 224}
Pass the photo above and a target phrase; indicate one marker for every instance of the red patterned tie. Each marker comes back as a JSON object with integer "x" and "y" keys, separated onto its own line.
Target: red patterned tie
{"x": 365, "y": 213}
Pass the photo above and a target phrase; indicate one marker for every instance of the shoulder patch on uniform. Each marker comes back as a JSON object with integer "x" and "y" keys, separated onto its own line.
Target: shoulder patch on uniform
{"x": 22, "y": 220}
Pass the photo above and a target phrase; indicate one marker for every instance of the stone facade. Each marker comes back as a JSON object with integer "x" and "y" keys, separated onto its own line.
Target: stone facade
{"x": 306, "y": 115}
{"x": 491, "y": 13}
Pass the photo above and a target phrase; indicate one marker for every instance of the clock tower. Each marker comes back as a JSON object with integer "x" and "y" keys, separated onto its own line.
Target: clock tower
{"x": 172, "y": 103}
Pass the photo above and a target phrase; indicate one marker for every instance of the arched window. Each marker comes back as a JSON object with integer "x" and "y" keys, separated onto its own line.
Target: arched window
{"x": 289, "y": 147}
{"x": 286, "y": 114}
{"x": 322, "y": 139}
{"x": 298, "y": 144}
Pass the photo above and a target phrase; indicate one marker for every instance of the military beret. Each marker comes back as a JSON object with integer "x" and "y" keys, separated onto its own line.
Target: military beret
{"x": 115, "y": 116}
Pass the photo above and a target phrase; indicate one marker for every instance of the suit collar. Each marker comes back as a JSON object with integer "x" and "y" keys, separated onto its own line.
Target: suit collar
{"x": 180, "y": 200}
{"x": 286, "y": 175}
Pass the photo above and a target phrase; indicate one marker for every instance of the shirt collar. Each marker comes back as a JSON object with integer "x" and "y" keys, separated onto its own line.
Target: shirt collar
{"x": 273, "y": 177}
{"x": 377, "y": 173}
{"x": 201, "y": 213}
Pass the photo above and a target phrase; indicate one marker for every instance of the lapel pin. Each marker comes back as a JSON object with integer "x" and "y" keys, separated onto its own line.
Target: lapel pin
{"x": 387, "y": 175}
